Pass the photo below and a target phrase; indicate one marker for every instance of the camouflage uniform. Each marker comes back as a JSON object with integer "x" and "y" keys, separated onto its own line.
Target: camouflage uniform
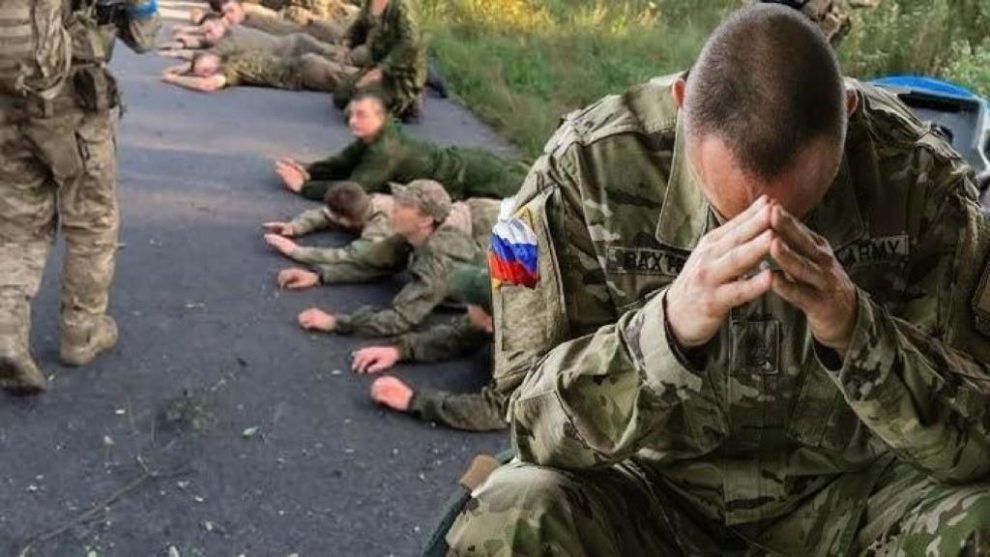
{"x": 327, "y": 21}
{"x": 428, "y": 264}
{"x": 395, "y": 156}
{"x": 245, "y": 39}
{"x": 832, "y": 16}
{"x": 397, "y": 48}
{"x": 309, "y": 71}
{"x": 377, "y": 227}
{"x": 58, "y": 170}
{"x": 628, "y": 447}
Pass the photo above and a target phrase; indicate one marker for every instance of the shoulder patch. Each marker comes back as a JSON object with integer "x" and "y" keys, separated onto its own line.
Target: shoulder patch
{"x": 981, "y": 302}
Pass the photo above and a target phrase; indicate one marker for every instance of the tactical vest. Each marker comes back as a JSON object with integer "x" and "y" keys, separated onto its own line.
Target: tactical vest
{"x": 35, "y": 47}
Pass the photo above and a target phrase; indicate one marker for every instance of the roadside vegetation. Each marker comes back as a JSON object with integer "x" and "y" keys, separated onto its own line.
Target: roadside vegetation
{"x": 521, "y": 64}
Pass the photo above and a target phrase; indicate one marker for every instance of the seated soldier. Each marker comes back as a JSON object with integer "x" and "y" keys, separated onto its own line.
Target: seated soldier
{"x": 383, "y": 152}
{"x": 420, "y": 209}
{"x": 482, "y": 411}
{"x": 349, "y": 208}
{"x": 397, "y": 68}
{"x": 208, "y": 72}
{"x": 760, "y": 322}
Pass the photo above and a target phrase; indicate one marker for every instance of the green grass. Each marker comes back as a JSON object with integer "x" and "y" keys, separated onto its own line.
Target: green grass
{"x": 522, "y": 64}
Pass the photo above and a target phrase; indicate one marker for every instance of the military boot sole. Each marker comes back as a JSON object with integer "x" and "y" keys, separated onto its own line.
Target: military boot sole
{"x": 19, "y": 381}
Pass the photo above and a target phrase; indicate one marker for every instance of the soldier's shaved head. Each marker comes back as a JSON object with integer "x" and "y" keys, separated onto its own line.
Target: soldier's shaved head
{"x": 767, "y": 84}
{"x": 349, "y": 200}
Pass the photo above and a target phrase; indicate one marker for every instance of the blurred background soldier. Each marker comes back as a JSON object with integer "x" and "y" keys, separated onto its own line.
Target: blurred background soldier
{"x": 57, "y": 167}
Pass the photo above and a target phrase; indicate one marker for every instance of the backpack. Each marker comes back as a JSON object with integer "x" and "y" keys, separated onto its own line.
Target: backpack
{"x": 35, "y": 48}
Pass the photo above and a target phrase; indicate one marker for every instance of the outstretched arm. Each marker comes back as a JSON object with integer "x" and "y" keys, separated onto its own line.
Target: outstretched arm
{"x": 201, "y": 84}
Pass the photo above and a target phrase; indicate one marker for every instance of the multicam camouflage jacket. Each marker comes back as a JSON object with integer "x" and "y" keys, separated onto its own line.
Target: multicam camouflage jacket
{"x": 764, "y": 421}
{"x": 377, "y": 227}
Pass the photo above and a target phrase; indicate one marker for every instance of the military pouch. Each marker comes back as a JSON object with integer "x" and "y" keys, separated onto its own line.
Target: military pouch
{"x": 96, "y": 89}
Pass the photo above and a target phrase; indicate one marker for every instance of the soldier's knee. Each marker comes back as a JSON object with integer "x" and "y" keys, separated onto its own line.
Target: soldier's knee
{"x": 517, "y": 507}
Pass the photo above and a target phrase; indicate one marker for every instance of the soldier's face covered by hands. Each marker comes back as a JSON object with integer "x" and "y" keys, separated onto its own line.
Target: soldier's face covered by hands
{"x": 365, "y": 117}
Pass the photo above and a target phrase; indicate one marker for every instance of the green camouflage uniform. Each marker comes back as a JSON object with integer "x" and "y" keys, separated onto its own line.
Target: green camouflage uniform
{"x": 397, "y": 48}
{"x": 58, "y": 170}
{"x": 245, "y": 39}
{"x": 378, "y": 227}
{"x": 395, "y": 156}
{"x": 628, "y": 448}
{"x": 328, "y": 22}
{"x": 260, "y": 69}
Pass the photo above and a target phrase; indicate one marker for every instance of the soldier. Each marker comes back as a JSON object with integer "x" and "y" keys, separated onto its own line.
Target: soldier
{"x": 383, "y": 152}
{"x": 348, "y": 208}
{"x": 482, "y": 411}
{"x": 325, "y": 20}
{"x": 208, "y": 72}
{"x": 760, "y": 322}
{"x": 389, "y": 29}
{"x": 58, "y": 168}
{"x": 833, "y": 17}
{"x": 229, "y": 42}
{"x": 420, "y": 209}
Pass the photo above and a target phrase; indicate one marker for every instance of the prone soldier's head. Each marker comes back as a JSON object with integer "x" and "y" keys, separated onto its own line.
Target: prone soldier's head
{"x": 366, "y": 115}
{"x": 205, "y": 64}
{"x": 214, "y": 28}
{"x": 420, "y": 207}
{"x": 765, "y": 111}
{"x": 349, "y": 204}
{"x": 233, "y": 12}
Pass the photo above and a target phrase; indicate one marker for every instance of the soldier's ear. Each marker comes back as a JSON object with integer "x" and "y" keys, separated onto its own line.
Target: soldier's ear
{"x": 677, "y": 92}
{"x": 852, "y": 101}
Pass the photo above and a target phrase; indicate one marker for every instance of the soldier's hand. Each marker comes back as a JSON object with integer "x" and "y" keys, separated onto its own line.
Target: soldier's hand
{"x": 281, "y": 244}
{"x": 812, "y": 279}
{"x": 392, "y": 392}
{"x": 373, "y": 77}
{"x": 280, "y": 228}
{"x": 718, "y": 275}
{"x": 374, "y": 359}
{"x": 292, "y": 177}
{"x": 317, "y": 320}
{"x": 297, "y": 279}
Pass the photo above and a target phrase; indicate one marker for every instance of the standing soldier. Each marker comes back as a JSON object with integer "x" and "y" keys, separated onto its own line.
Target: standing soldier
{"x": 57, "y": 166}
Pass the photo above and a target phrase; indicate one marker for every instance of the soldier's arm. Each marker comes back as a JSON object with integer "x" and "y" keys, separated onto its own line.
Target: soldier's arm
{"x": 482, "y": 411}
{"x": 140, "y": 27}
{"x": 442, "y": 342}
{"x": 377, "y": 166}
{"x": 408, "y": 49}
{"x": 597, "y": 385}
{"x": 311, "y": 221}
{"x": 411, "y": 305}
{"x": 326, "y": 172}
{"x": 201, "y": 84}
{"x": 919, "y": 375}
{"x": 368, "y": 262}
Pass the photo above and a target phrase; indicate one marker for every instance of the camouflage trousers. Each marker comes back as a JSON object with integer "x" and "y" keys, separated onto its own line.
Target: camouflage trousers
{"x": 321, "y": 74}
{"x": 481, "y": 411}
{"x": 55, "y": 172}
{"x": 524, "y": 509}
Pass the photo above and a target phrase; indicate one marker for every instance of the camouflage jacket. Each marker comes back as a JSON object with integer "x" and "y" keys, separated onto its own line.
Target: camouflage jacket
{"x": 442, "y": 342}
{"x": 428, "y": 267}
{"x": 397, "y": 48}
{"x": 395, "y": 156}
{"x": 377, "y": 228}
{"x": 261, "y": 69}
{"x": 765, "y": 422}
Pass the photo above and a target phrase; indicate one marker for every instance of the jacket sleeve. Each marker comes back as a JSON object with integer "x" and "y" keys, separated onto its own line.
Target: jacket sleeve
{"x": 366, "y": 261}
{"x": 339, "y": 166}
{"x": 918, "y": 375}
{"x": 442, "y": 342}
{"x": 311, "y": 221}
{"x": 139, "y": 29}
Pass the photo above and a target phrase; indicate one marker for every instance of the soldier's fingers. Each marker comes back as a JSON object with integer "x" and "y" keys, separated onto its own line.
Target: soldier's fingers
{"x": 798, "y": 266}
{"x": 741, "y": 259}
{"x": 745, "y": 230}
{"x": 758, "y": 205}
{"x": 743, "y": 291}
{"x": 800, "y": 295}
{"x": 794, "y": 233}
{"x": 378, "y": 366}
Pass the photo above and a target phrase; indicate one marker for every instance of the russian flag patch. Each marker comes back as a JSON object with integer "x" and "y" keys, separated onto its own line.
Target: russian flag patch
{"x": 514, "y": 255}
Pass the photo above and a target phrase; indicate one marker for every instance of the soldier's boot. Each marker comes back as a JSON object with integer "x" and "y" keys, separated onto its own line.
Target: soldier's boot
{"x": 19, "y": 374}
{"x": 80, "y": 346}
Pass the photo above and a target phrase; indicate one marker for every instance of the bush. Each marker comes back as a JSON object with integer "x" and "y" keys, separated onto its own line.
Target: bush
{"x": 522, "y": 64}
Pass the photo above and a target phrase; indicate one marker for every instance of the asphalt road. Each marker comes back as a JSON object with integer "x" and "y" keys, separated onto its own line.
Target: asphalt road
{"x": 217, "y": 427}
